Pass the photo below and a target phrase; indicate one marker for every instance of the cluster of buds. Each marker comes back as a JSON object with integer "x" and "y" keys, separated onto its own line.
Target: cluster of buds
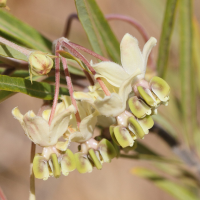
{"x": 122, "y": 97}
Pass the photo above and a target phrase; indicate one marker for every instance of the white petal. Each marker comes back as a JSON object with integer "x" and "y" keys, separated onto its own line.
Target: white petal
{"x": 147, "y": 50}
{"x": 37, "y": 128}
{"x": 105, "y": 121}
{"x": 17, "y": 115}
{"x": 113, "y": 72}
{"x": 126, "y": 87}
{"x": 87, "y": 126}
{"x": 131, "y": 56}
{"x": 59, "y": 124}
{"x": 66, "y": 100}
{"x": 110, "y": 106}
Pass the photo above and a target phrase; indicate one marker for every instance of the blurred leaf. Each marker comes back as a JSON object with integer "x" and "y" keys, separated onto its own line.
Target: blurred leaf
{"x": 176, "y": 190}
{"x": 196, "y": 49}
{"x": 186, "y": 65}
{"x": 150, "y": 158}
{"x": 167, "y": 29}
{"x": 164, "y": 124}
{"x": 143, "y": 149}
{"x": 17, "y": 31}
{"x": 7, "y": 51}
{"x": 39, "y": 90}
{"x": 96, "y": 27}
{"x": 5, "y": 95}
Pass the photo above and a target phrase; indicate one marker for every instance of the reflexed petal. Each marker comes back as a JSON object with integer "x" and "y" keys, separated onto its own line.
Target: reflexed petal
{"x": 146, "y": 123}
{"x": 95, "y": 159}
{"x": 104, "y": 121}
{"x": 87, "y": 126}
{"x": 111, "y": 71}
{"x": 147, "y": 96}
{"x": 59, "y": 124}
{"x": 131, "y": 56}
{"x": 160, "y": 88}
{"x": 66, "y": 100}
{"x": 37, "y": 129}
{"x": 136, "y": 128}
{"x": 83, "y": 164}
{"x": 17, "y": 115}
{"x": 126, "y": 87}
{"x": 110, "y": 106}
{"x": 123, "y": 136}
{"x": 40, "y": 167}
{"x": 138, "y": 107}
{"x": 147, "y": 50}
{"x": 107, "y": 150}
{"x": 68, "y": 162}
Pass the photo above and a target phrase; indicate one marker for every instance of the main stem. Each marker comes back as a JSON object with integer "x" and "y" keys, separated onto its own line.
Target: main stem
{"x": 70, "y": 87}
{"x": 32, "y": 177}
{"x": 57, "y": 82}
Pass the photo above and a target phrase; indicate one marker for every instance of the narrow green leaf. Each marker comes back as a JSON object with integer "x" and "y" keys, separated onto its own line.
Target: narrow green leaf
{"x": 5, "y": 95}
{"x": 176, "y": 190}
{"x": 39, "y": 90}
{"x": 165, "y": 39}
{"x": 96, "y": 25}
{"x": 185, "y": 20}
{"x": 17, "y": 31}
{"x": 7, "y": 51}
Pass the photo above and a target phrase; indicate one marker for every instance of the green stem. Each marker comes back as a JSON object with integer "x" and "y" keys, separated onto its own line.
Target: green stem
{"x": 32, "y": 177}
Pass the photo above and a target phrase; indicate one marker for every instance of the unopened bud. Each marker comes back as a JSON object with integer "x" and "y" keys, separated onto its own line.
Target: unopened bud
{"x": 40, "y": 63}
{"x": 3, "y": 3}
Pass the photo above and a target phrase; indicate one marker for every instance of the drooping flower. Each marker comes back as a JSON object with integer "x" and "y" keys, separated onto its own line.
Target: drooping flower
{"x": 92, "y": 152}
{"x": 41, "y": 133}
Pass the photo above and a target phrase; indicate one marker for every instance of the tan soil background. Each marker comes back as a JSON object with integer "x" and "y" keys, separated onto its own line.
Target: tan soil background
{"x": 114, "y": 181}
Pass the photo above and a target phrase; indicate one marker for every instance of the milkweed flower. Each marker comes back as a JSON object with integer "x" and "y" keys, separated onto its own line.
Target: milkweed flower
{"x": 92, "y": 152}
{"x": 41, "y": 133}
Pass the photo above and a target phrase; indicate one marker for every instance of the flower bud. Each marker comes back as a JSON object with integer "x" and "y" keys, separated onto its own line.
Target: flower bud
{"x": 3, "y": 3}
{"x": 40, "y": 63}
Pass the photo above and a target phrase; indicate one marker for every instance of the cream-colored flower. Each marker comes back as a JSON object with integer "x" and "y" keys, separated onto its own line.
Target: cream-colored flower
{"x": 88, "y": 117}
{"x": 37, "y": 128}
{"x": 132, "y": 59}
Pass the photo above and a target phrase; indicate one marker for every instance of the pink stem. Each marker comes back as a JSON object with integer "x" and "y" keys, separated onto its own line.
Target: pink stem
{"x": 137, "y": 25}
{"x": 2, "y": 196}
{"x": 70, "y": 87}
{"x": 57, "y": 83}
{"x": 83, "y": 59}
{"x": 89, "y": 51}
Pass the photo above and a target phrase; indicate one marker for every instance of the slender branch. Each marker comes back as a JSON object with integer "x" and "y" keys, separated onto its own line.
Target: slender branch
{"x": 88, "y": 51}
{"x": 83, "y": 59}
{"x": 2, "y": 195}
{"x": 15, "y": 46}
{"x": 32, "y": 177}
{"x": 70, "y": 87}
{"x": 68, "y": 23}
{"x": 57, "y": 83}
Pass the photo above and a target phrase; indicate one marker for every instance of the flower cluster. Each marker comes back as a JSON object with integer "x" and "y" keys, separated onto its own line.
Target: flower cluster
{"x": 128, "y": 110}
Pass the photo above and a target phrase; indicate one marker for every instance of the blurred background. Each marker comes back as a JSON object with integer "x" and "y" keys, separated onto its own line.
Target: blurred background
{"x": 115, "y": 180}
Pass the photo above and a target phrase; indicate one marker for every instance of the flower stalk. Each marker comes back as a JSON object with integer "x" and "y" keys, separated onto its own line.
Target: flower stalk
{"x": 32, "y": 177}
{"x": 57, "y": 83}
{"x": 70, "y": 87}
